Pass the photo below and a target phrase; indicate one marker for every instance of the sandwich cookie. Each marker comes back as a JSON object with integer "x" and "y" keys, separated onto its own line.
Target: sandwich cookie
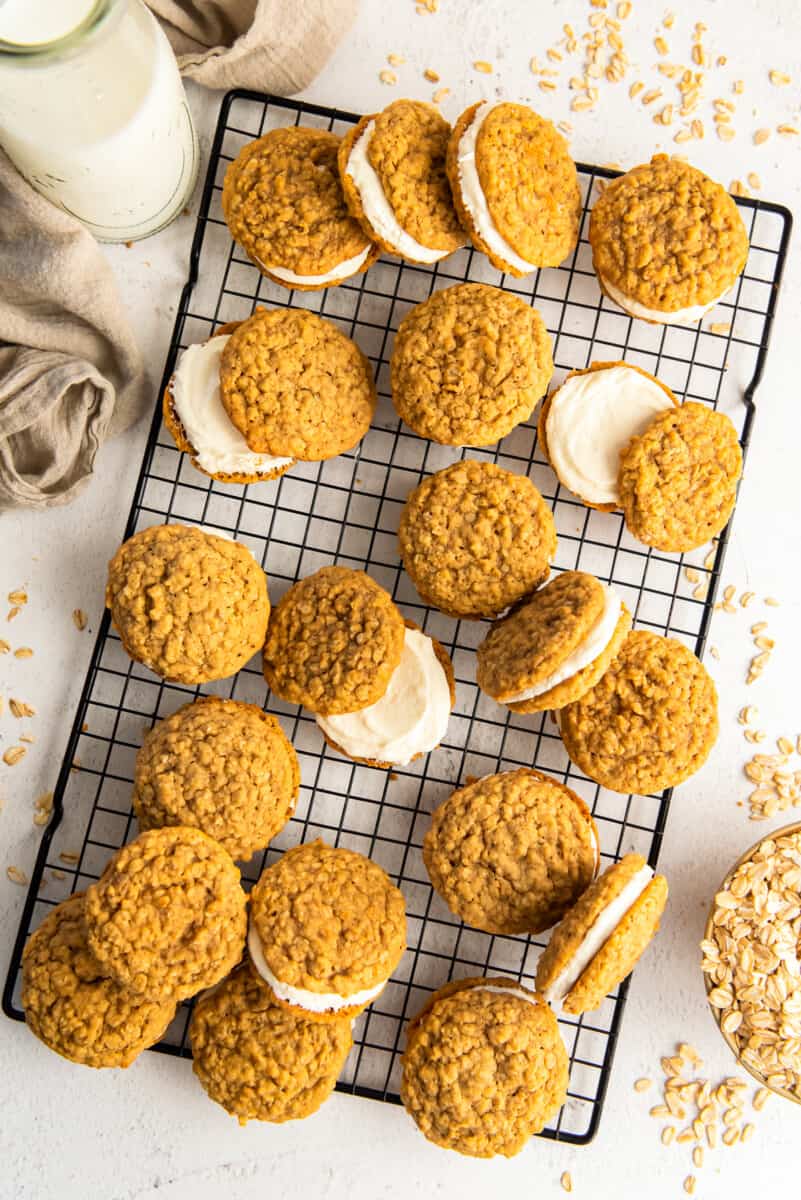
{"x": 678, "y": 479}
{"x": 167, "y": 917}
{"x": 667, "y": 242}
{"x": 586, "y": 422}
{"x": 327, "y": 929}
{"x": 74, "y": 1006}
{"x": 283, "y": 203}
{"x": 222, "y": 766}
{"x": 191, "y": 605}
{"x": 511, "y": 853}
{"x": 257, "y": 1059}
{"x": 600, "y": 940}
{"x": 649, "y": 723}
{"x": 293, "y": 384}
{"x": 469, "y": 364}
{"x": 484, "y": 1068}
{"x": 556, "y": 646}
{"x": 392, "y": 166}
{"x": 515, "y": 186}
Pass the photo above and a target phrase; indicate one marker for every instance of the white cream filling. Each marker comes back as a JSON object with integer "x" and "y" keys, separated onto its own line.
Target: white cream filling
{"x": 590, "y": 420}
{"x": 676, "y": 316}
{"x": 348, "y": 266}
{"x": 594, "y": 644}
{"x": 596, "y": 849}
{"x": 511, "y": 991}
{"x": 410, "y": 718}
{"x": 219, "y": 446}
{"x": 317, "y": 1002}
{"x": 474, "y": 199}
{"x": 597, "y": 935}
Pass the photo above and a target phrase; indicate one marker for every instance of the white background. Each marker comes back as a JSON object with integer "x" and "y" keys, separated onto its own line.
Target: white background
{"x": 150, "y": 1131}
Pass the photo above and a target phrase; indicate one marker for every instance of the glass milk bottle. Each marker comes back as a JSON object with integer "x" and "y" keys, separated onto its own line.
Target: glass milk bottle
{"x": 93, "y": 112}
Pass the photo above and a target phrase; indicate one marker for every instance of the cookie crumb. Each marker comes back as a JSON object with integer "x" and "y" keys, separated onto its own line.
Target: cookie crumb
{"x": 388, "y": 77}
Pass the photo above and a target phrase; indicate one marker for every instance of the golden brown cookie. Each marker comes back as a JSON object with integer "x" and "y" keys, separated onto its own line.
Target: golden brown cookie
{"x": 283, "y": 203}
{"x": 327, "y": 929}
{"x": 475, "y": 538}
{"x": 294, "y": 384}
{"x": 469, "y": 364}
{"x": 189, "y": 605}
{"x": 515, "y": 186}
{"x": 554, "y": 647}
{"x": 334, "y": 641}
{"x": 168, "y": 915}
{"x": 600, "y": 940}
{"x": 484, "y": 1068}
{"x": 649, "y": 723}
{"x": 392, "y": 167}
{"x": 72, "y": 1004}
{"x": 667, "y": 241}
{"x": 678, "y": 480}
{"x": 510, "y": 853}
{"x": 257, "y": 1059}
{"x": 221, "y": 766}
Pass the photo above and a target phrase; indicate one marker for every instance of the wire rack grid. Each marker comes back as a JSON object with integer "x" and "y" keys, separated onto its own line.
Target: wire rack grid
{"x": 346, "y": 510}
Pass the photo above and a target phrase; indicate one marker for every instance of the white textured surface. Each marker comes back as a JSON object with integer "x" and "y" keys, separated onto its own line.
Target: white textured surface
{"x": 150, "y": 1133}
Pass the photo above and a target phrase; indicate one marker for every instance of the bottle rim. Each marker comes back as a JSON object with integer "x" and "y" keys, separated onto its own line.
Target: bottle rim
{"x": 37, "y": 53}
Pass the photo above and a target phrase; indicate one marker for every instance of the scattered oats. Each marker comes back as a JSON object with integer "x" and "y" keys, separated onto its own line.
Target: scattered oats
{"x": 721, "y": 60}
{"x": 396, "y": 60}
{"x": 642, "y": 1085}
{"x": 20, "y": 597}
{"x": 701, "y": 592}
{"x": 748, "y": 714}
{"x": 754, "y": 181}
{"x": 691, "y": 574}
{"x": 388, "y": 77}
{"x": 747, "y": 1132}
{"x": 738, "y": 87}
{"x": 760, "y": 625}
{"x": 771, "y": 602}
{"x": 689, "y": 1185}
{"x": 485, "y": 68}
{"x": 430, "y": 75}
{"x": 709, "y": 561}
{"x": 730, "y": 1136}
{"x": 746, "y": 599}
{"x": 26, "y": 652}
{"x": 787, "y": 130}
{"x": 761, "y": 136}
{"x": 565, "y": 127}
{"x": 659, "y": 1110}
{"x": 69, "y": 857}
{"x": 4, "y": 646}
{"x": 726, "y": 133}
{"x": 660, "y": 45}
{"x": 698, "y": 1156}
{"x": 653, "y": 94}
{"x": 720, "y": 327}
{"x": 635, "y": 89}
{"x": 440, "y": 94}
{"x": 624, "y": 9}
{"x": 761, "y": 1097}
{"x": 13, "y": 755}
{"x": 728, "y": 593}
{"x": 566, "y": 1181}
{"x": 668, "y": 20}
{"x": 56, "y": 874}
{"x": 17, "y": 876}
{"x": 14, "y": 612}
{"x": 711, "y": 1136}
{"x": 581, "y": 103}
{"x": 667, "y": 1135}
{"x": 778, "y": 78}
{"x": 547, "y": 85}
{"x": 738, "y": 188}
{"x": 713, "y": 650}
{"x": 553, "y": 55}
{"x": 686, "y": 1135}
{"x": 683, "y": 135}
{"x": 20, "y": 709}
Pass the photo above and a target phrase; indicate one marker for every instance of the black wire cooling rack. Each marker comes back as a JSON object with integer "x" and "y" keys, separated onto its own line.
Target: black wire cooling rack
{"x": 346, "y": 510}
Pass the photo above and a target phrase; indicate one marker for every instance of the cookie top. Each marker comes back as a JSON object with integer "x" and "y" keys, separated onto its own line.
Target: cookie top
{"x": 667, "y": 236}
{"x": 469, "y": 364}
{"x": 283, "y": 203}
{"x": 168, "y": 915}
{"x": 475, "y": 538}
{"x": 484, "y": 1067}
{"x": 74, "y": 1006}
{"x": 221, "y": 766}
{"x": 334, "y": 641}
{"x": 511, "y": 853}
{"x": 650, "y": 721}
{"x": 293, "y": 384}
{"x": 257, "y": 1059}
{"x": 678, "y": 480}
{"x": 329, "y": 920}
{"x": 189, "y": 605}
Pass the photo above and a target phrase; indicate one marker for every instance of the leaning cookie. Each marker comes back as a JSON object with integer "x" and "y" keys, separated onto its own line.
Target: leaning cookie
{"x": 484, "y": 1068}
{"x": 283, "y": 203}
{"x": 257, "y": 1059}
{"x": 327, "y": 929}
{"x": 587, "y": 421}
{"x": 600, "y": 940}
{"x": 392, "y": 166}
{"x": 556, "y": 646}
{"x": 667, "y": 242}
{"x": 511, "y": 853}
{"x": 515, "y": 186}
{"x": 410, "y": 719}
{"x": 195, "y": 416}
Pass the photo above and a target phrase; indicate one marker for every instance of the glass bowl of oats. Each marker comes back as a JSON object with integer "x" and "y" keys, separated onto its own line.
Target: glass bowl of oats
{"x": 751, "y": 951}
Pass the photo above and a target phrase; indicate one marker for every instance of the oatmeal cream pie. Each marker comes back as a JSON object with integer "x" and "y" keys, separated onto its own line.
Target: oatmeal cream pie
{"x": 284, "y": 205}
{"x": 469, "y": 364}
{"x": 515, "y": 186}
{"x": 74, "y": 1006}
{"x": 475, "y": 538}
{"x": 392, "y": 166}
{"x": 556, "y": 646}
{"x": 293, "y": 384}
{"x": 257, "y": 1059}
{"x": 598, "y": 943}
{"x": 191, "y": 605}
{"x": 484, "y": 1068}
{"x": 511, "y": 853}
{"x": 667, "y": 241}
{"x": 587, "y": 421}
{"x": 649, "y": 723}
{"x": 327, "y": 929}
